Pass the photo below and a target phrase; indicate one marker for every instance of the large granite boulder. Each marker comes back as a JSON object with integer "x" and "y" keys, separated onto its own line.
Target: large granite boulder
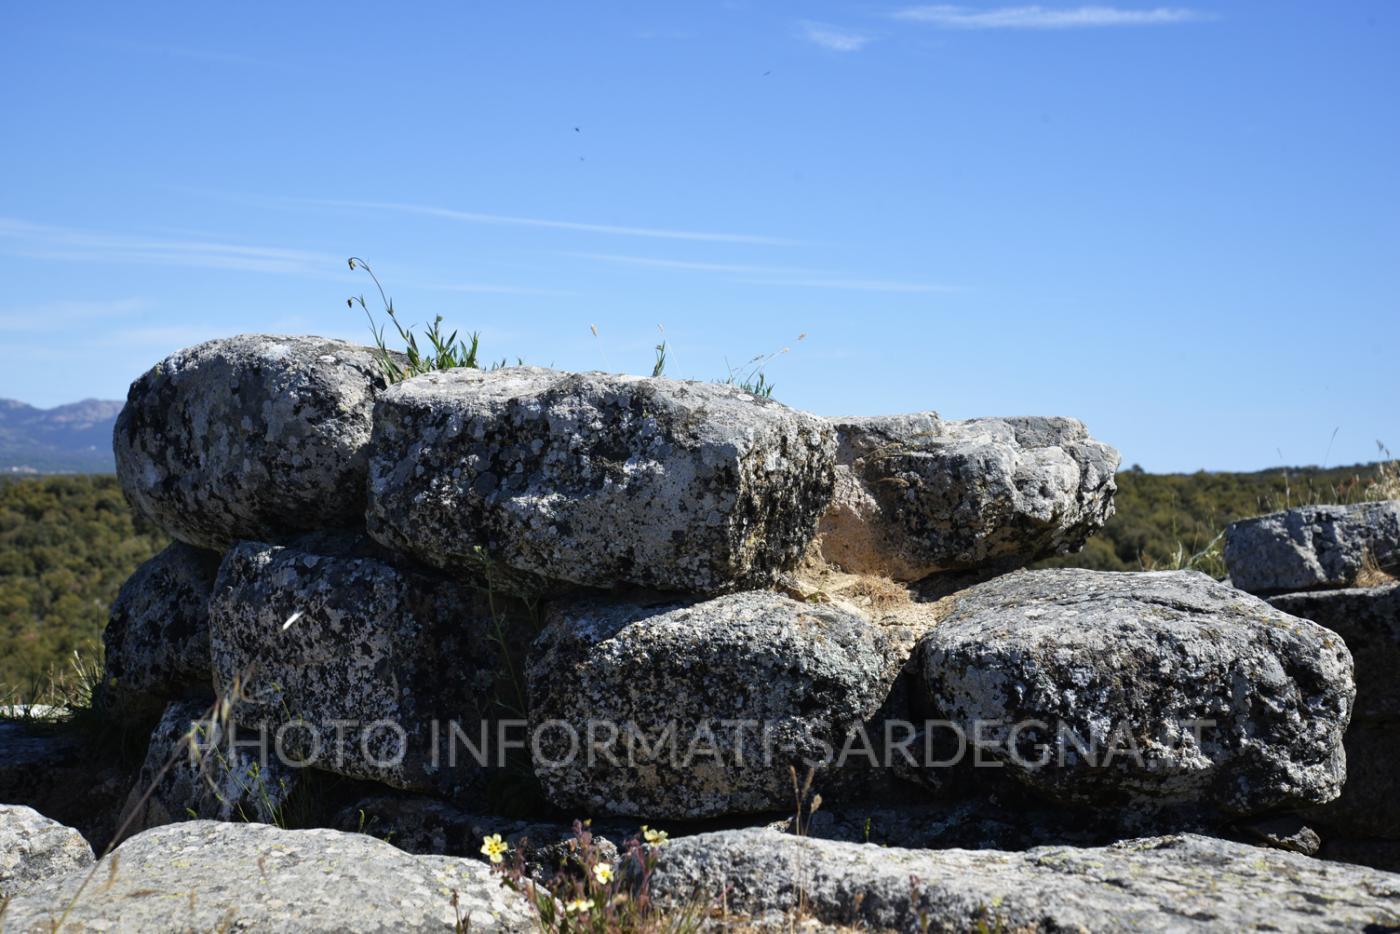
{"x": 362, "y": 667}
{"x": 916, "y": 494}
{"x": 695, "y": 709}
{"x": 1172, "y": 883}
{"x": 196, "y": 768}
{"x": 1312, "y": 547}
{"x": 249, "y": 437}
{"x": 156, "y": 644}
{"x": 1368, "y": 620}
{"x": 214, "y": 876}
{"x": 34, "y": 848}
{"x": 1142, "y": 690}
{"x": 596, "y": 479}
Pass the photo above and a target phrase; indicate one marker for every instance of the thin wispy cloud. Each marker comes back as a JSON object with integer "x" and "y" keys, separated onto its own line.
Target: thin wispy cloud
{"x": 1040, "y": 17}
{"x": 778, "y": 276}
{"x": 42, "y": 318}
{"x": 833, "y": 37}
{"x": 476, "y": 217}
{"x": 691, "y": 265}
{"x": 487, "y": 288}
{"x": 44, "y": 241}
{"x": 856, "y": 285}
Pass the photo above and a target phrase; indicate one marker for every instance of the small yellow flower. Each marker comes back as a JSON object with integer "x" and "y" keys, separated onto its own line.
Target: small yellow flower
{"x": 654, "y": 837}
{"x": 603, "y": 872}
{"x": 494, "y": 847}
{"x": 579, "y": 904}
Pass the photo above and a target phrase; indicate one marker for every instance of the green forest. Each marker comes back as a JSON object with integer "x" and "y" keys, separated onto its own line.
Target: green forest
{"x": 68, "y": 542}
{"x": 66, "y": 545}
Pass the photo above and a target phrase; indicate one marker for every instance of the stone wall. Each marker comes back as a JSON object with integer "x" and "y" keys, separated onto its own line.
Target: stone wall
{"x": 529, "y": 593}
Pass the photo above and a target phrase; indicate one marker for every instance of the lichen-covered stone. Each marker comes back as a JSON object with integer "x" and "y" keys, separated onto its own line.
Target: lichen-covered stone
{"x": 214, "y": 876}
{"x": 361, "y": 666}
{"x": 596, "y": 479}
{"x": 196, "y": 769}
{"x": 1143, "y": 689}
{"x": 1312, "y": 547}
{"x": 1174, "y": 883}
{"x": 156, "y": 644}
{"x": 1368, "y": 620}
{"x": 249, "y": 437}
{"x": 916, "y": 494}
{"x": 697, "y": 708}
{"x": 34, "y": 848}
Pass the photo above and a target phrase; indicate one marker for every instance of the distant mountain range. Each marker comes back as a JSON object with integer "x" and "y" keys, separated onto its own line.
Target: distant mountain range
{"x": 73, "y": 438}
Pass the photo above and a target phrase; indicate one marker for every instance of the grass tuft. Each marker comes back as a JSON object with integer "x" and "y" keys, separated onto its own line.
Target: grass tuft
{"x": 446, "y": 351}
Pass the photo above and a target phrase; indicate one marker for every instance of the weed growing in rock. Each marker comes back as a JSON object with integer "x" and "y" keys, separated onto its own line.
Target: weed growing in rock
{"x": 750, "y": 376}
{"x": 590, "y": 893}
{"x": 446, "y": 351}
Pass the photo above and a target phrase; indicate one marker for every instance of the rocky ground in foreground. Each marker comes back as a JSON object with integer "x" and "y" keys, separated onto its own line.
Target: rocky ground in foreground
{"x": 792, "y": 668}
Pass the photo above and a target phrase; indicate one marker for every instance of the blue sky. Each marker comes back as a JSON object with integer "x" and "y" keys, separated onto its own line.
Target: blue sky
{"x": 1178, "y": 223}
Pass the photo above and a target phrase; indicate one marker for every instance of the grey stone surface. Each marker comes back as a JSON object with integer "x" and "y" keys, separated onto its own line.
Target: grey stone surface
{"x": 1181, "y": 690}
{"x": 361, "y": 658}
{"x": 916, "y": 494}
{"x": 250, "y": 437}
{"x": 1172, "y": 883}
{"x": 711, "y": 701}
{"x": 193, "y": 770}
{"x": 1368, "y": 620}
{"x": 34, "y": 848}
{"x": 213, "y": 876}
{"x": 595, "y": 479}
{"x": 156, "y": 644}
{"x": 1312, "y": 546}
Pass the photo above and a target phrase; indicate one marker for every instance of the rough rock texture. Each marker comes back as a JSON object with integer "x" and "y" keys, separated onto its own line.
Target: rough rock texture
{"x": 916, "y": 494}
{"x": 212, "y": 876}
{"x": 210, "y": 775}
{"x": 1173, "y": 883}
{"x": 1312, "y": 546}
{"x": 156, "y": 644}
{"x": 316, "y": 634}
{"x": 596, "y": 479}
{"x": 249, "y": 437}
{"x": 34, "y": 848}
{"x": 1111, "y": 672}
{"x": 1368, "y": 620}
{"x": 48, "y": 766}
{"x": 710, "y": 701}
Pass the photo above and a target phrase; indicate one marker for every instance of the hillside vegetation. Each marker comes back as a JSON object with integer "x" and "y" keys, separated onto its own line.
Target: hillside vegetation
{"x": 1175, "y": 520}
{"x": 67, "y": 543}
